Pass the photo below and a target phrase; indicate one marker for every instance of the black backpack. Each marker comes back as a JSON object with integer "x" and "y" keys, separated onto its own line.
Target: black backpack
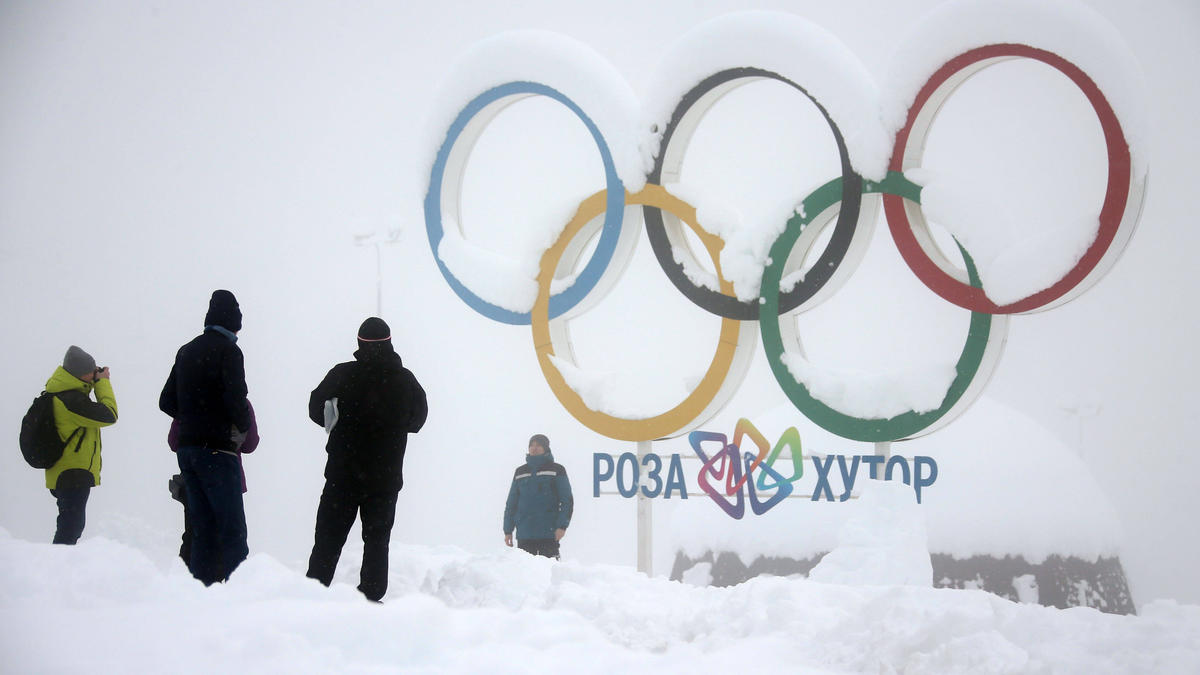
{"x": 39, "y": 435}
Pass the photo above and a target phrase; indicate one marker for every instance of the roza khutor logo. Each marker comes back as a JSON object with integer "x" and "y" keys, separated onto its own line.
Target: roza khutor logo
{"x": 731, "y": 478}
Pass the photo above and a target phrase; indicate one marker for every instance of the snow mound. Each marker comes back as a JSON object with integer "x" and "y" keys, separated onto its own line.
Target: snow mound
{"x": 453, "y": 611}
{"x": 883, "y": 544}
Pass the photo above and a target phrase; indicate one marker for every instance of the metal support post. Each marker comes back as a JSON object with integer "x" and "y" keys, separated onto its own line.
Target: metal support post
{"x": 645, "y": 521}
{"x": 882, "y": 449}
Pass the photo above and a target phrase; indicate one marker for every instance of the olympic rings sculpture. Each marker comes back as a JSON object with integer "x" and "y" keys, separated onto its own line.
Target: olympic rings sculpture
{"x": 848, "y": 201}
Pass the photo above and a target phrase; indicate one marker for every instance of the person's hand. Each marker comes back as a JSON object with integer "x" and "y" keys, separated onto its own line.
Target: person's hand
{"x": 102, "y": 373}
{"x": 559, "y": 533}
{"x": 508, "y": 540}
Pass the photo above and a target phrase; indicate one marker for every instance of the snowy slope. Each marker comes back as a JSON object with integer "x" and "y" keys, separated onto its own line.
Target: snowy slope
{"x": 452, "y": 611}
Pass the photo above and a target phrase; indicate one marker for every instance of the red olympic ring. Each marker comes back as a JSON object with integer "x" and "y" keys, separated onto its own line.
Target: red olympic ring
{"x": 1118, "y": 216}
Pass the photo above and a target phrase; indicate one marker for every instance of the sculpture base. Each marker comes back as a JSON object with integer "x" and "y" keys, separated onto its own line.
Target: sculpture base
{"x": 1058, "y": 581}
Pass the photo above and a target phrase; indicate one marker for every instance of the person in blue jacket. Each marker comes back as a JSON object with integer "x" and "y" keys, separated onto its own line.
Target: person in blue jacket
{"x": 539, "y": 502}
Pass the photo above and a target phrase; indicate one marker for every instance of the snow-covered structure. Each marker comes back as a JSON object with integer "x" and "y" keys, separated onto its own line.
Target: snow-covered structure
{"x": 1003, "y": 517}
{"x": 1013, "y": 511}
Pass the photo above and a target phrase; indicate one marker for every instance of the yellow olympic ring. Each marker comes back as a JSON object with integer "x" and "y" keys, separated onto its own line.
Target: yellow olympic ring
{"x": 550, "y": 338}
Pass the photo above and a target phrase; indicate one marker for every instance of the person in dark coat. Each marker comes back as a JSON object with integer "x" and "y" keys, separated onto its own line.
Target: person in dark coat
{"x": 539, "y": 502}
{"x": 206, "y": 394}
{"x": 368, "y": 406}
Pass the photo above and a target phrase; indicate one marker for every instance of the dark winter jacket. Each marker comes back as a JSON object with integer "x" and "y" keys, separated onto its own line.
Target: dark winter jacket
{"x": 79, "y": 419}
{"x": 379, "y": 402}
{"x": 249, "y": 443}
{"x": 539, "y": 500}
{"x": 206, "y": 391}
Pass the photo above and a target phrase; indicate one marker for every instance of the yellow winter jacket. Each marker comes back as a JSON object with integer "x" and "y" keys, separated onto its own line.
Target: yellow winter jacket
{"x": 79, "y": 418}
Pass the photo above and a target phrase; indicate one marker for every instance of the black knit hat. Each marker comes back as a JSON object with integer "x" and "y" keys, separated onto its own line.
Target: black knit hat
{"x": 374, "y": 331}
{"x": 223, "y": 311}
{"x": 541, "y": 440}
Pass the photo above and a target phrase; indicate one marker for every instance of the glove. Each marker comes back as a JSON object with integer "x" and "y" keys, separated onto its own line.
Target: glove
{"x": 238, "y": 438}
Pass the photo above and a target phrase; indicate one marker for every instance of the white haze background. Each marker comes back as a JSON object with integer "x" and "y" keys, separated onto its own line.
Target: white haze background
{"x": 150, "y": 153}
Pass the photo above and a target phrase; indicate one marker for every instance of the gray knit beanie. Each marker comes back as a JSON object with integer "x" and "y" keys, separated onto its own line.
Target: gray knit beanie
{"x": 78, "y": 362}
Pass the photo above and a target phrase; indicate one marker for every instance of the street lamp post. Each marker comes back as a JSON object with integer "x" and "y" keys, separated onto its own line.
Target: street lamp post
{"x": 1081, "y": 409}
{"x": 376, "y": 239}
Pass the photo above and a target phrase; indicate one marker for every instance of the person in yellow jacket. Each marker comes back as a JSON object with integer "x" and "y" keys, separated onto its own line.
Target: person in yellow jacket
{"x": 79, "y": 420}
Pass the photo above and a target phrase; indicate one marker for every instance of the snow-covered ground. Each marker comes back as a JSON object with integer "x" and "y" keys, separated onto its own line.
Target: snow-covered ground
{"x": 106, "y": 607}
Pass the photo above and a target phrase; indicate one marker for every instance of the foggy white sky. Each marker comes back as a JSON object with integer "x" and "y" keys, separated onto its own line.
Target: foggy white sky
{"x": 149, "y": 154}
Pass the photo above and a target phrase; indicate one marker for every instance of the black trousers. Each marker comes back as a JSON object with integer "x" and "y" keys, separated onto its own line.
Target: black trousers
{"x": 72, "y": 507}
{"x": 215, "y": 512}
{"x": 547, "y": 548}
{"x": 340, "y": 504}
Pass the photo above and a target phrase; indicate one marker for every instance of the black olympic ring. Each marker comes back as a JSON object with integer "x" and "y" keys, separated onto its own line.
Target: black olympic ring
{"x": 664, "y": 240}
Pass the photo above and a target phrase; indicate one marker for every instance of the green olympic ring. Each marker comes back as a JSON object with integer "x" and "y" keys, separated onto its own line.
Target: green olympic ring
{"x": 985, "y": 336}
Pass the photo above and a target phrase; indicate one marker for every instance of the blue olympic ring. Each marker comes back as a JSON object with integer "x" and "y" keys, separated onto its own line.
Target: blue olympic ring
{"x": 492, "y": 102}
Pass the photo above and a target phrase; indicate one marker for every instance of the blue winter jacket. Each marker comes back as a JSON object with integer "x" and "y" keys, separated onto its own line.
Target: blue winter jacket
{"x": 539, "y": 501}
